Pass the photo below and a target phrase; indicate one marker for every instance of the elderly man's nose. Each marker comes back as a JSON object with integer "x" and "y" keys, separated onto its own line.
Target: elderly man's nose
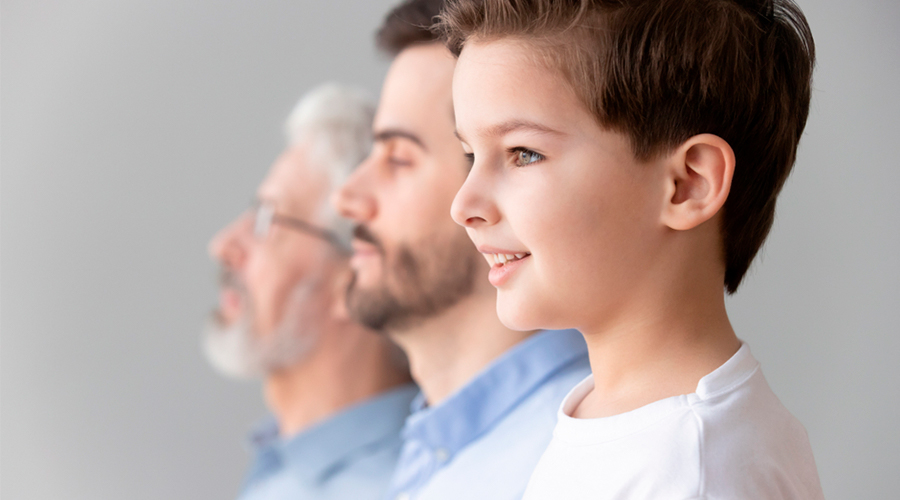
{"x": 227, "y": 246}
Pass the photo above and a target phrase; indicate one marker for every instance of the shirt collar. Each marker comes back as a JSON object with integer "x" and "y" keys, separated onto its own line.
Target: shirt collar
{"x": 490, "y": 395}
{"x": 315, "y": 451}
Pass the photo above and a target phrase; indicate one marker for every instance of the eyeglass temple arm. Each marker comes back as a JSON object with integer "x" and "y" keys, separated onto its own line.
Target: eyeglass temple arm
{"x": 325, "y": 234}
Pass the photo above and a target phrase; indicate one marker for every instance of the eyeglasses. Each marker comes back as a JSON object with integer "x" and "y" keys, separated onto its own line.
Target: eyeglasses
{"x": 264, "y": 216}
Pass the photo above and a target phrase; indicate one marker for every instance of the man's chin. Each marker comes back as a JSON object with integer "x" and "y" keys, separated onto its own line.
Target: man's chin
{"x": 366, "y": 280}
{"x": 372, "y": 308}
{"x": 238, "y": 350}
{"x": 228, "y": 348}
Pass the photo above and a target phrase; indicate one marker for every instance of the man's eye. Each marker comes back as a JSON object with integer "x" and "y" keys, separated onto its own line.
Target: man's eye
{"x": 470, "y": 157}
{"x": 525, "y": 156}
{"x": 396, "y": 161}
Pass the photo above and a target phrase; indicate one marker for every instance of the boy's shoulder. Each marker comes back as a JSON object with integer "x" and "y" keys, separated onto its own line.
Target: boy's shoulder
{"x": 731, "y": 439}
{"x": 750, "y": 443}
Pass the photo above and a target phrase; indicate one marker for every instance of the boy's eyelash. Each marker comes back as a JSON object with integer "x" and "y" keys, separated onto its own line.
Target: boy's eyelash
{"x": 515, "y": 151}
{"x": 470, "y": 157}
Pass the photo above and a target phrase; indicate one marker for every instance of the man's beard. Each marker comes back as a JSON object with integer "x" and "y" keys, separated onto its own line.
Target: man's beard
{"x": 238, "y": 350}
{"x": 416, "y": 284}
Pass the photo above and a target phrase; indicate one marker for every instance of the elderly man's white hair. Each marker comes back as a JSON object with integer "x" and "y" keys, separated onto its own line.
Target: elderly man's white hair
{"x": 334, "y": 122}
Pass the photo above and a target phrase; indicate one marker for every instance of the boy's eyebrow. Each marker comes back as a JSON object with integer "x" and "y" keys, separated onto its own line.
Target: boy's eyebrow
{"x": 393, "y": 133}
{"x": 503, "y": 128}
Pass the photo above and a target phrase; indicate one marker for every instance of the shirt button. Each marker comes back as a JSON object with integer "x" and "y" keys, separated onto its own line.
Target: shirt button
{"x": 441, "y": 454}
{"x": 403, "y": 496}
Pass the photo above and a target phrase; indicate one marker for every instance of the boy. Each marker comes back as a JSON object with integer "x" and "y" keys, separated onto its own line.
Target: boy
{"x": 626, "y": 157}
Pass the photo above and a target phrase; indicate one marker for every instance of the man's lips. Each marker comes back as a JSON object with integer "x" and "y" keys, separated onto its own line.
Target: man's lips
{"x": 362, "y": 247}
{"x": 363, "y": 250}
{"x": 364, "y": 254}
{"x": 229, "y": 304}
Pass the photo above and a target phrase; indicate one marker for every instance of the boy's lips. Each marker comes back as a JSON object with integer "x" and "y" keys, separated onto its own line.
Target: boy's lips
{"x": 503, "y": 262}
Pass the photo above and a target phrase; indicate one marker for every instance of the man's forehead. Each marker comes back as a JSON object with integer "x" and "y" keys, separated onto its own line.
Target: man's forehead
{"x": 292, "y": 182}
{"x": 419, "y": 76}
{"x": 416, "y": 100}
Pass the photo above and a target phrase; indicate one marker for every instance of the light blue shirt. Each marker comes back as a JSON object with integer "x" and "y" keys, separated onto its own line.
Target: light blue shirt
{"x": 350, "y": 455}
{"x": 484, "y": 441}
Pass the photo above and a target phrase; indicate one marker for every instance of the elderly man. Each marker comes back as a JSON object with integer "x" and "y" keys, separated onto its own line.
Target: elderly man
{"x": 489, "y": 394}
{"x": 338, "y": 393}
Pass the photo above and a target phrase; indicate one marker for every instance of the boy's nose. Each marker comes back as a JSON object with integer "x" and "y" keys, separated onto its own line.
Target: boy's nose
{"x": 473, "y": 206}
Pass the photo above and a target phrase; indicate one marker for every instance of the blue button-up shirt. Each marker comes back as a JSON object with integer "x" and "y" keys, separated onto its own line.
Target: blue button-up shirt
{"x": 485, "y": 440}
{"x": 349, "y": 455}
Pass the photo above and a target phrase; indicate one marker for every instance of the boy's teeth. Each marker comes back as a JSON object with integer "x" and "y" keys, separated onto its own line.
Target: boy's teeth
{"x": 503, "y": 258}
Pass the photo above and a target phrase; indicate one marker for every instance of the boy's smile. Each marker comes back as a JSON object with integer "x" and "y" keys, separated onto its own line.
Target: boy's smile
{"x": 503, "y": 263}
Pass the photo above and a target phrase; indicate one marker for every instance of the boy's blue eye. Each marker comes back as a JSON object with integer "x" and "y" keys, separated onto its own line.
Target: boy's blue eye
{"x": 526, "y": 156}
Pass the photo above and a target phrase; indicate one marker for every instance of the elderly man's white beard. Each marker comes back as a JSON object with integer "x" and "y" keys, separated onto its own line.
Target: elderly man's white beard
{"x": 240, "y": 352}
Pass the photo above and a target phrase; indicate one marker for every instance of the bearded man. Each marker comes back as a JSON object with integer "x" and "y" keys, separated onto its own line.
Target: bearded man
{"x": 489, "y": 394}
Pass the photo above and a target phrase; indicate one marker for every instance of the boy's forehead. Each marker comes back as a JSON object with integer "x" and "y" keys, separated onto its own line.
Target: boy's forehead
{"x": 500, "y": 87}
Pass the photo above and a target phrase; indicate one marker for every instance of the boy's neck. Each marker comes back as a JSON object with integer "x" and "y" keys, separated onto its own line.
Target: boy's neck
{"x": 448, "y": 350}
{"x": 660, "y": 345}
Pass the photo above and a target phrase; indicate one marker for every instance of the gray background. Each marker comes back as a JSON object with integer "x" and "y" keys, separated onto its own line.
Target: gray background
{"x": 131, "y": 131}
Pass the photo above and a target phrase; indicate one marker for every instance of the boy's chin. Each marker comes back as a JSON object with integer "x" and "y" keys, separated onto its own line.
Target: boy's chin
{"x": 523, "y": 313}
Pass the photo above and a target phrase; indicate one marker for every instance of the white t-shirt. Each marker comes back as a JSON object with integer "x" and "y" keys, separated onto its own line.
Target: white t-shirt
{"x": 732, "y": 439}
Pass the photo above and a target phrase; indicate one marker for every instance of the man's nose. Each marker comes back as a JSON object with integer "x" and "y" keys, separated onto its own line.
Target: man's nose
{"x": 228, "y": 246}
{"x": 354, "y": 200}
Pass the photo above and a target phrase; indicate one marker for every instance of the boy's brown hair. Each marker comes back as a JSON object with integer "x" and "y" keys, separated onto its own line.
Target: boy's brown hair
{"x": 662, "y": 71}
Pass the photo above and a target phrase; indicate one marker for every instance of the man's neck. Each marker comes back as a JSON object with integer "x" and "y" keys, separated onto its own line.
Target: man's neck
{"x": 329, "y": 379}
{"x": 446, "y": 351}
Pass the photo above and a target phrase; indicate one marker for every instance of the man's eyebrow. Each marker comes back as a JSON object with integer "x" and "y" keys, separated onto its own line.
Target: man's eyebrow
{"x": 392, "y": 133}
{"x": 503, "y": 128}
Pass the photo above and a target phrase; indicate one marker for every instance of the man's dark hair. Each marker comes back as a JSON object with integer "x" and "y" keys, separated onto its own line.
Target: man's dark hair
{"x": 662, "y": 71}
{"x": 407, "y": 24}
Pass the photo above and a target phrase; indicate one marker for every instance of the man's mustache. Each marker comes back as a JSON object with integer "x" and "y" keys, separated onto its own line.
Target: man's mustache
{"x": 230, "y": 279}
{"x": 363, "y": 233}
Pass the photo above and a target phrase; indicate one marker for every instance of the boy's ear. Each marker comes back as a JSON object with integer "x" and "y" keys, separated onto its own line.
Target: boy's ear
{"x": 699, "y": 176}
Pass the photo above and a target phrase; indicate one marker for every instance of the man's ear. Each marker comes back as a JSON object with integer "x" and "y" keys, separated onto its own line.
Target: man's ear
{"x": 699, "y": 176}
{"x": 338, "y": 296}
